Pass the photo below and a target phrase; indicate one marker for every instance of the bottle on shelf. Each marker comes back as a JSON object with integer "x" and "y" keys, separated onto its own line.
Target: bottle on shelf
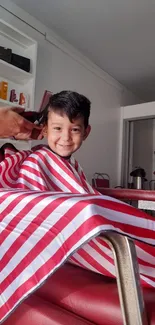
{"x": 3, "y": 90}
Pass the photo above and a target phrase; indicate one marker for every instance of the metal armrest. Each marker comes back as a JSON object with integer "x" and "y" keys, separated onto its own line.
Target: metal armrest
{"x": 128, "y": 279}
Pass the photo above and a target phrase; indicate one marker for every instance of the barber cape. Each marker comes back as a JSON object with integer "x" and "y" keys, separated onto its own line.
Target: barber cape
{"x": 49, "y": 213}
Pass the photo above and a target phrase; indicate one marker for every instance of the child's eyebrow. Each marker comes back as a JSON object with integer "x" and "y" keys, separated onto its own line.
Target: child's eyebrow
{"x": 77, "y": 125}
{"x": 56, "y": 123}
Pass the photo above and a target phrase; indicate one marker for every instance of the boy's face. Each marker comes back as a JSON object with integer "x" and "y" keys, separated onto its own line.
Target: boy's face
{"x": 65, "y": 137}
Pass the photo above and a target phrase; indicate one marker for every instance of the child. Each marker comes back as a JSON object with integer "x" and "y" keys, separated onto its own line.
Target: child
{"x": 66, "y": 126}
{"x": 67, "y": 122}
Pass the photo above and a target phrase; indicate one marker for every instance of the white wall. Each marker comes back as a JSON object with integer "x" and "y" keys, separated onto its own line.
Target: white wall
{"x": 59, "y": 67}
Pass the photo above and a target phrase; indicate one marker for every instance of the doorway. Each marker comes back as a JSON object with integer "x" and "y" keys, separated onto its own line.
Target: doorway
{"x": 139, "y": 150}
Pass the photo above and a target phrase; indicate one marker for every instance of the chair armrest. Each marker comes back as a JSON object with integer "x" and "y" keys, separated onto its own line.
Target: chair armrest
{"x": 128, "y": 278}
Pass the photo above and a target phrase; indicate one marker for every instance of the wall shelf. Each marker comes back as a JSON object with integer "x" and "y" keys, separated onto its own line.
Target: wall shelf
{"x": 4, "y": 103}
{"x": 14, "y": 74}
{"x": 15, "y": 35}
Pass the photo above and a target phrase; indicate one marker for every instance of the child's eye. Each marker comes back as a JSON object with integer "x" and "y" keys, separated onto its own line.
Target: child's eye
{"x": 76, "y": 130}
{"x": 57, "y": 128}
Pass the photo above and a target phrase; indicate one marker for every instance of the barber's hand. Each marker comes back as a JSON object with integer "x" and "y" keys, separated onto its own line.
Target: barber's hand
{"x": 14, "y": 125}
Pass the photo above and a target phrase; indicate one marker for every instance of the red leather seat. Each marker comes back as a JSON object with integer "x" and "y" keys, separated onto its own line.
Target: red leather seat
{"x": 84, "y": 293}
{"x": 35, "y": 311}
{"x": 76, "y": 296}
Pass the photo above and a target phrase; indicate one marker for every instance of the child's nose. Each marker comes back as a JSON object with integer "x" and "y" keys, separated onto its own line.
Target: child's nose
{"x": 66, "y": 135}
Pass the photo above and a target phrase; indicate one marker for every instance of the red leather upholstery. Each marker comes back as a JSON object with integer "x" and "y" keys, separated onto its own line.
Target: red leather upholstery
{"x": 76, "y": 296}
{"x": 35, "y": 311}
{"x": 128, "y": 194}
{"x": 85, "y": 293}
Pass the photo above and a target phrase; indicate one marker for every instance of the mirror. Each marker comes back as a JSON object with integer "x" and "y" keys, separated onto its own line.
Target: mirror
{"x": 139, "y": 151}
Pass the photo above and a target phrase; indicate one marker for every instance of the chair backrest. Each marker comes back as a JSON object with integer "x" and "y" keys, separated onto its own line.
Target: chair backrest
{"x": 7, "y": 145}
{"x": 100, "y": 180}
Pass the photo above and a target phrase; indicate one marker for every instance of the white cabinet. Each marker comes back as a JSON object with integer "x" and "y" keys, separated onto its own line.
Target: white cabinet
{"x": 18, "y": 79}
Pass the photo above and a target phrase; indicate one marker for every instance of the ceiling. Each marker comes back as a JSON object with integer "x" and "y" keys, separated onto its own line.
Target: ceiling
{"x": 117, "y": 35}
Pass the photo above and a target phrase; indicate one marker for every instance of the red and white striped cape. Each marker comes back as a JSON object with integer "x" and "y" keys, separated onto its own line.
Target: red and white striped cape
{"x": 50, "y": 213}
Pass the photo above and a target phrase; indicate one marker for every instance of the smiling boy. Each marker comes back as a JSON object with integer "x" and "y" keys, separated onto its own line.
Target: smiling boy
{"x": 52, "y": 167}
{"x": 67, "y": 122}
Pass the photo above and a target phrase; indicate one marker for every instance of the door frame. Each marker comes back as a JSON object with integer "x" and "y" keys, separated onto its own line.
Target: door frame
{"x": 127, "y": 151}
{"x": 128, "y": 115}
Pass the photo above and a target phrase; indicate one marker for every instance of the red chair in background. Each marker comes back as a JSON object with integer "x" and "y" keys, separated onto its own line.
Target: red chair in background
{"x": 100, "y": 181}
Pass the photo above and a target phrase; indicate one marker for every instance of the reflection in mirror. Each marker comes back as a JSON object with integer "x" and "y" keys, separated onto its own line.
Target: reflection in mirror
{"x": 139, "y": 154}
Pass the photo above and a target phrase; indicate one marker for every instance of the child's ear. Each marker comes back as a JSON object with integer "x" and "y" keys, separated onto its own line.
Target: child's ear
{"x": 87, "y": 131}
{"x": 44, "y": 131}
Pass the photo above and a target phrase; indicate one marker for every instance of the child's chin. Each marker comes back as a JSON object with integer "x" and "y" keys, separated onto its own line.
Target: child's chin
{"x": 64, "y": 154}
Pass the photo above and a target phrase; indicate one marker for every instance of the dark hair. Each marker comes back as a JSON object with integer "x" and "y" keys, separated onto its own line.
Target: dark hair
{"x": 71, "y": 103}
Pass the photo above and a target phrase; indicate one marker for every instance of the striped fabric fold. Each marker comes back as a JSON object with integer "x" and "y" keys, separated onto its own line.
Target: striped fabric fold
{"x": 49, "y": 213}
